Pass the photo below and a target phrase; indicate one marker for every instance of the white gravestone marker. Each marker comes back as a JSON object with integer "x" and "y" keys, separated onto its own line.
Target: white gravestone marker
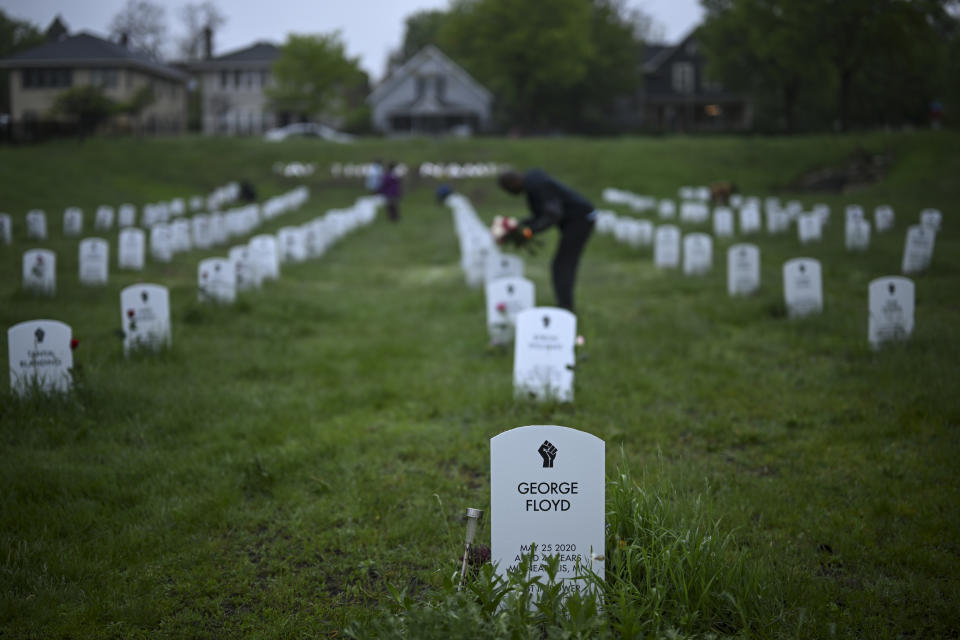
{"x": 40, "y": 271}
{"x": 36, "y": 225}
{"x": 723, "y": 222}
{"x": 243, "y": 268}
{"x": 667, "y": 209}
{"x": 219, "y": 232}
{"x": 503, "y": 265}
{"x": 94, "y": 261}
{"x": 883, "y": 218}
{"x": 263, "y": 256}
{"x": 930, "y": 218}
{"x": 743, "y": 269}
{"x": 130, "y": 249}
{"x": 145, "y": 317}
{"x": 694, "y": 212}
{"x": 857, "y": 236}
{"x": 180, "y": 235}
{"x": 666, "y": 247}
{"x": 217, "y": 281}
{"x": 161, "y": 242}
{"x": 73, "y": 221}
{"x": 200, "y": 226}
{"x": 40, "y": 356}
{"x": 547, "y": 496}
{"x": 543, "y": 354}
{"x": 822, "y": 210}
{"x": 802, "y": 287}
{"x": 292, "y": 243}
{"x": 749, "y": 219}
{"x": 697, "y": 254}
{"x": 6, "y": 229}
{"x": 506, "y": 297}
{"x": 126, "y": 216}
{"x": 778, "y": 220}
{"x": 103, "y": 219}
{"x": 918, "y": 250}
{"x": 891, "y": 310}
{"x": 809, "y": 228}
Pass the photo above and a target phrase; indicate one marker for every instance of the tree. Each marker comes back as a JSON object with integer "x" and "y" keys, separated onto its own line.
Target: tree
{"x": 197, "y": 19}
{"x": 144, "y": 25}
{"x": 314, "y": 77}
{"x": 15, "y": 36}
{"x": 86, "y": 105}
{"x": 421, "y": 28}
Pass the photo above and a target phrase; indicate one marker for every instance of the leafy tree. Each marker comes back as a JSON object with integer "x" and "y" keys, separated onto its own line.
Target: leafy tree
{"x": 86, "y": 105}
{"x": 144, "y": 24}
{"x": 197, "y": 17}
{"x": 421, "y": 28}
{"x": 314, "y": 77}
{"x": 15, "y": 36}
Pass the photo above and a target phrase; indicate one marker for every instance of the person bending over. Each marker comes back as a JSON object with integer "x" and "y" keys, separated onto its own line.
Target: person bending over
{"x": 552, "y": 203}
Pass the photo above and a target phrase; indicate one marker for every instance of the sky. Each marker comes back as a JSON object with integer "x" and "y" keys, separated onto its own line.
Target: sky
{"x": 370, "y": 28}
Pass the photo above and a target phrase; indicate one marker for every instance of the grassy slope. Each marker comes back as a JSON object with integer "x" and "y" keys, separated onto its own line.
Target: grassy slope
{"x": 292, "y": 455}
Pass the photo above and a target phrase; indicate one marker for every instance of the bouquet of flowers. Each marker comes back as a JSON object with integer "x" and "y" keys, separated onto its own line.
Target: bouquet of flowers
{"x": 508, "y": 230}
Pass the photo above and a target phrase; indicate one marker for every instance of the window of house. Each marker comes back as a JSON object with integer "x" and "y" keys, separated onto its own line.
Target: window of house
{"x": 105, "y": 78}
{"x": 682, "y": 77}
{"x": 46, "y": 78}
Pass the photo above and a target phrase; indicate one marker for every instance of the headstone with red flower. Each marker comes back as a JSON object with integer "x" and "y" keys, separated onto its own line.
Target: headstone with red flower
{"x": 543, "y": 355}
{"x": 40, "y": 271}
{"x": 145, "y": 317}
{"x": 94, "y": 260}
{"x": 40, "y": 357}
{"x": 507, "y": 297}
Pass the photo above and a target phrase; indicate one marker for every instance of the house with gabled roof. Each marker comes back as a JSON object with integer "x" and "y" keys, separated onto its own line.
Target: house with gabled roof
{"x": 233, "y": 89}
{"x": 678, "y": 95}
{"x": 430, "y": 94}
{"x": 37, "y": 76}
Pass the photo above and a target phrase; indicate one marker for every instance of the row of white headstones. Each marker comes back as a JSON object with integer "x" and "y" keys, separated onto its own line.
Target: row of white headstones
{"x": 167, "y": 239}
{"x": 890, "y": 298}
{"x": 544, "y": 338}
{"x": 40, "y": 354}
{"x": 125, "y": 215}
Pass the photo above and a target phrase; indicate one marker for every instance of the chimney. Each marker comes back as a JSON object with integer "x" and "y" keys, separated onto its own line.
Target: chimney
{"x": 207, "y": 43}
{"x": 124, "y": 40}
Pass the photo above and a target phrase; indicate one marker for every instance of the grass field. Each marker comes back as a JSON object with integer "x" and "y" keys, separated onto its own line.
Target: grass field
{"x": 293, "y": 456}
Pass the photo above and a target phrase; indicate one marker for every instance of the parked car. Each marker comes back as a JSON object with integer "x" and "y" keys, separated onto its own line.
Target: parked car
{"x": 307, "y": 130}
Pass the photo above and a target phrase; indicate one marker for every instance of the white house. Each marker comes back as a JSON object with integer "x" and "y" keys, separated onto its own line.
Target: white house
{"x": 429, "y": 94}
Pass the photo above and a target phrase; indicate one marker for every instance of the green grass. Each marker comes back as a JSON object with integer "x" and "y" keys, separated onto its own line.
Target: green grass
{"x": 291, "y": 458}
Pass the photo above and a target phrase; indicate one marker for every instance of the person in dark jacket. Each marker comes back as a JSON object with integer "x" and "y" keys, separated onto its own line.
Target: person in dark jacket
{"x": 552, "y": 203}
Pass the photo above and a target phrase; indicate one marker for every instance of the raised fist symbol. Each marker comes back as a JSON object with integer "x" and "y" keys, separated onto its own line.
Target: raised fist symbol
{"x": 548, "y": 452}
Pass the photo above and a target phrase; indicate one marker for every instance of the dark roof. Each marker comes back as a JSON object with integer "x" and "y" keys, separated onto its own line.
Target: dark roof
{"x": 86, "y": 49}
{"x": 260, "y": 51}
{"x": 651, "y": 51}
{"x": 259, "y": 54}
{"x": 653, "y": 63}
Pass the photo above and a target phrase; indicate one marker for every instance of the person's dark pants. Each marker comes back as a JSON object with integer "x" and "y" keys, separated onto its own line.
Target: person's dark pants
{"x": 573, "y": 237}
{"x": 393, "y": 210}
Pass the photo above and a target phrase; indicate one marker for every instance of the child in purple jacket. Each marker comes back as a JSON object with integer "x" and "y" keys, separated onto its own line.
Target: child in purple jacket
{"x": 390, "y": 188}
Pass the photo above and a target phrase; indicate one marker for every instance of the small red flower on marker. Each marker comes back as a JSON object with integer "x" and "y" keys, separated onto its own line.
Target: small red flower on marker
{"x": 130, "y": 313}
{"x": 74, "y": 343}
{"x": 501, "y": 307}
